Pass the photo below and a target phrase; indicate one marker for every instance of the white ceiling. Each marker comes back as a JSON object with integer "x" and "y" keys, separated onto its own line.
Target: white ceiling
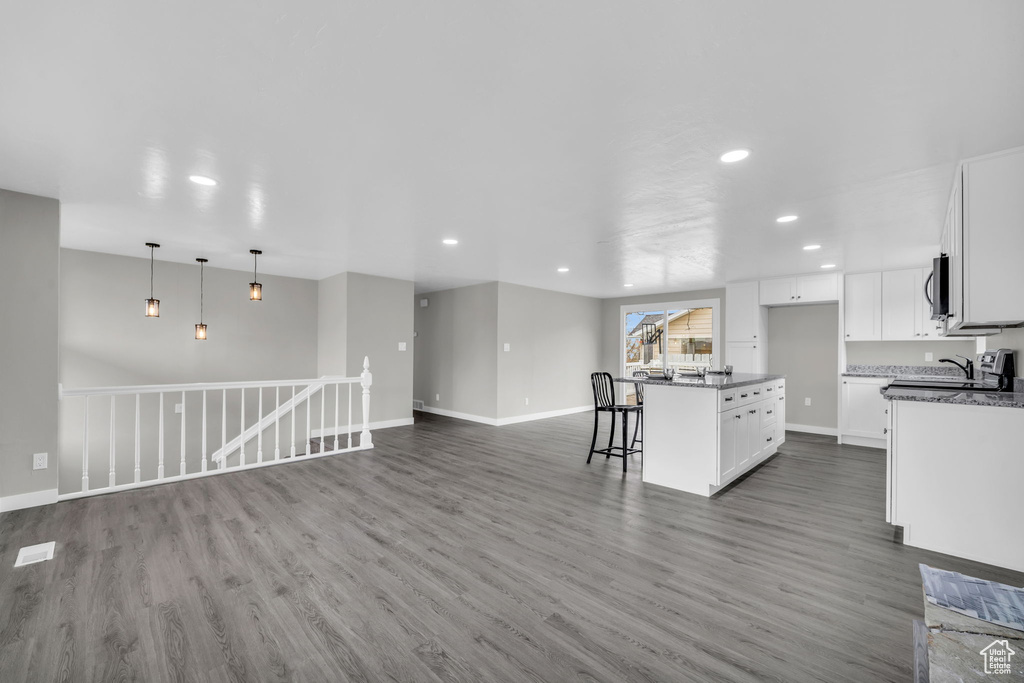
{"x": 356, "y": 135}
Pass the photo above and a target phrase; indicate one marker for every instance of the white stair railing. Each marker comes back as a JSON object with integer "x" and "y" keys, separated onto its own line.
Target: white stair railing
{"x": 196, "y": 403}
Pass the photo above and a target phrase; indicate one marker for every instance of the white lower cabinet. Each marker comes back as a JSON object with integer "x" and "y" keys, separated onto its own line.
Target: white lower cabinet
{"x": 748, "y": 432}
{"x": 864, "y": 411}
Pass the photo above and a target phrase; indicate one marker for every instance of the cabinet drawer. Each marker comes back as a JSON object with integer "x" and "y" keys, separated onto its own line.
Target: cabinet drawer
{"x": 745, "y": 395}
{"x": 727, "y": 399}
{"x": 779, "y": 387}
{"x": 767, "y": 439}
{"x": 768, "y": 413}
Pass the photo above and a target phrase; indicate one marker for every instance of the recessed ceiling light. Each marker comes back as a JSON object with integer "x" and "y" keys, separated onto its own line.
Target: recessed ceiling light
{"x": 450, "y": 242}
{"x": 202, "y": 180}
{"x": 628, "y": 284}
{"x": 786, "y": 219}
{"x": 735, "y": 155}
{"x": 812, "y": 247}
{"x": 826, "y": 266}
{"x": 563, "y": 270}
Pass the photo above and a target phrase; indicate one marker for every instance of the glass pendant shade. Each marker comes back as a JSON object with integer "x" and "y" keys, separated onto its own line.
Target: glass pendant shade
{"x": 201, "y": 331}
{"x": 255, "y": 288}
{"x": 152, "y": 303}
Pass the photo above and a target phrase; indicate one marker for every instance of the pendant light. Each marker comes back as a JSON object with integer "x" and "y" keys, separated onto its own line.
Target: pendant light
{"x": 255, "y": 288}
{"x": 152, "y": 305}
{"x": 201, "y": 326}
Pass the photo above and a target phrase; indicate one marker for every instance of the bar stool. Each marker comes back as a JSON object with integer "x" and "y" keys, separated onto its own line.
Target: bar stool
{"x": 639, "y": 392}
{"x": 604, "y": 402}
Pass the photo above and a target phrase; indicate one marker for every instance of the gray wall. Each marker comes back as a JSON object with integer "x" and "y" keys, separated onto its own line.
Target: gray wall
{"x": 29, "y": 275}
{"x": 803, "y": 345}
{"x": 611, "y": 323}
{"x": 380, "y": 316}
{"x": 905, "y": 352}
{"x": 456, "y": 354}
{"x": 332, "y": 325}
{"x": 554, "y": 346}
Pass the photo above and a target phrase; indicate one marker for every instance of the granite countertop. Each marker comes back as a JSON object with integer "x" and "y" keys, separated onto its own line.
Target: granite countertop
{"x": 895, "y": 371}
{"x": 965, "y": 398}
{"x": 718, "y": 382}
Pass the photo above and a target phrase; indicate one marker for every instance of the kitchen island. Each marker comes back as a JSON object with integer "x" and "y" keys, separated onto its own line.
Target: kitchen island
{"x": 701, "y": 433}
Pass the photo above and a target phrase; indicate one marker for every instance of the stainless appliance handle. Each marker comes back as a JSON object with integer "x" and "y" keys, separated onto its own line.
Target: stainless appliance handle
{"x": 927, "y": 293}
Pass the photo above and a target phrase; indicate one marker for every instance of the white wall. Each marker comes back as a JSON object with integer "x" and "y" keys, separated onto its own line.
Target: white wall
{"x": 29, "y": 274}
{"x": 905, "y": 352}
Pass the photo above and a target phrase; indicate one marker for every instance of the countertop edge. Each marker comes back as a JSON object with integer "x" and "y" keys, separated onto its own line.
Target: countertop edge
{"x": 964, "y": 398}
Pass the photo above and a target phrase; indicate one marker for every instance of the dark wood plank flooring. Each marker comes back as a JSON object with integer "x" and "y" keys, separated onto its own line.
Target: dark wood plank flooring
{"x": 460, "y": 552}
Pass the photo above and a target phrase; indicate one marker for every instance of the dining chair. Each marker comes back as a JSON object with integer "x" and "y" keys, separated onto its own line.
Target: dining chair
{"x": 638, "y": 425}
{"x": 604, "y": 402}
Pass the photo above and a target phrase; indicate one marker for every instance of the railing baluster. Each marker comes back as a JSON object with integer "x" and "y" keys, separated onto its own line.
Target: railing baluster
{"x": 366, "y": 379}
{"x": 113, "y": 442}
{"x": 241, "y": 433}
{"x": 277, "y": 423}
{"x": 138, "y": 442}
{"x": 349, "y": 426}
{"x": 259, "y": 428}
{"x": 292, "y": 411}
{"x": 160, "y": 441}
{"x": 309, "y": 415}
{"x": 181, "y": 469}
{"x": 223, "y": 430}
{"x": 337, "y": 434}
{"x": 204, "y": 430}
{"x": 85, "y": 449}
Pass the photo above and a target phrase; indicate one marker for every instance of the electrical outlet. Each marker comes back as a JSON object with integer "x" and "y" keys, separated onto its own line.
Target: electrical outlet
{"x": 928, "y": 356}
{"x": 527, "y": 401}
{"x": 178, "y": 408}
{"x": 39, "y": 461}
{"x": 807, "y": 401}
{"x": 508, "y": 347}
{"x": 401, "y": 346}
{"x": 437, "y": 397}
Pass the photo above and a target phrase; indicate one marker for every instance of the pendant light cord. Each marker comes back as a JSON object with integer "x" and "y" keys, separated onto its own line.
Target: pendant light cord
{"x": 201, "y": 264}
{"x": 152, "y": 254}
{"x": 254, "y": 257}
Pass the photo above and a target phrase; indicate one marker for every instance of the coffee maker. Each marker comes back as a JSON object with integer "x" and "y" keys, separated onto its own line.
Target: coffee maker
{"x": 997, "y": 369}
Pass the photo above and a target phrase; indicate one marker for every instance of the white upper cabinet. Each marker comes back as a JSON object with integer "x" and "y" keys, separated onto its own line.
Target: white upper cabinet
{"x": 902, "y": 293}
{"x": 989, "y": 265}
{"x": 863, "y": 307}
{"x": 802, "y": 289}
{"x": 742, "y": 312}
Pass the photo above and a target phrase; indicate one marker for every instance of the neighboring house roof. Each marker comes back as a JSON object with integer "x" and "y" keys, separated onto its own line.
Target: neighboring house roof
{"x": 658, "y": 319}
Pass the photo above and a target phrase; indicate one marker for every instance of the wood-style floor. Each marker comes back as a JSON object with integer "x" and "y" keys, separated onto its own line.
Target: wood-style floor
{"x": 461, "y": 552}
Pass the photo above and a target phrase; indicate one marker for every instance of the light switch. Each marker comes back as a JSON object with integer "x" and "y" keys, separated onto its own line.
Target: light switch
{"x": 508, "y": 347}
{"x": 401, "y": 346}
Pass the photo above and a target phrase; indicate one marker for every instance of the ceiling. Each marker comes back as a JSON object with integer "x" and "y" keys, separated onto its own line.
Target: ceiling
{"x": 357, "y": 135}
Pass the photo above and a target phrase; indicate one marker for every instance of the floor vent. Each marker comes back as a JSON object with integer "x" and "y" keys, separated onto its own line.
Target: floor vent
{"x": 35, "y": 553}
{"x": 417, "y": 405}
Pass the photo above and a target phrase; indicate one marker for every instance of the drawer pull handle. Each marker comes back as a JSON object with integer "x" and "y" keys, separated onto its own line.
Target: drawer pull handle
{"x": 769, "y": 439}
{"x": 744, "y": 395}
{"x": 752, "y": 412}
{"x": 757, "y": 393}
{"x": 769, "y": 412}
{"x": 728, "y": 398}
{"x": 769, "y": 388}
{"x": 737, "y": 416}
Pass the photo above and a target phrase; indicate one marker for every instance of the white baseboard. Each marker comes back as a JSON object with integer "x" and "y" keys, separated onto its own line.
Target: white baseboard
{"x": 863, "y": 441}
{"x": 811, "y": 429}
{"x": 28, "y": 500}
{"x": 356, "y": 428}
{"x": 461, "y": 416}
{"x": 503, "y": 421}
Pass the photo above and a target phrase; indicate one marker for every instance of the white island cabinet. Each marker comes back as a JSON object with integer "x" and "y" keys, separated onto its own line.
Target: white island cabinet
{"x": 700, "y": 434}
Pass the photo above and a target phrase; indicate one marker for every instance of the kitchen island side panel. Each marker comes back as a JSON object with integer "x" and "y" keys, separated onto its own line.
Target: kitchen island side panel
{"x": 958, "y": 480}
{"x": 681, "y": 438}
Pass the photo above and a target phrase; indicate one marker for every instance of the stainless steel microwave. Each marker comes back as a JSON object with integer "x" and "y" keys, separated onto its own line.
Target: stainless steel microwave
{"x": 936, "y": 288}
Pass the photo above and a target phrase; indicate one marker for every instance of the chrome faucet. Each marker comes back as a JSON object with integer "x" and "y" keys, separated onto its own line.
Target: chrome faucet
{"x": 967, "y": 367}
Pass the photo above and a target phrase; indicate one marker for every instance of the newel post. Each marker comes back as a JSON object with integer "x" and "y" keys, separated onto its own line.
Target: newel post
{"x": 365, "y": 380}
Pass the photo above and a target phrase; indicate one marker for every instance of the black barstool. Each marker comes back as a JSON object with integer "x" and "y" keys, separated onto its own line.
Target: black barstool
{"x": 638, "y": 388}
{"x": 604, "y": 401}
